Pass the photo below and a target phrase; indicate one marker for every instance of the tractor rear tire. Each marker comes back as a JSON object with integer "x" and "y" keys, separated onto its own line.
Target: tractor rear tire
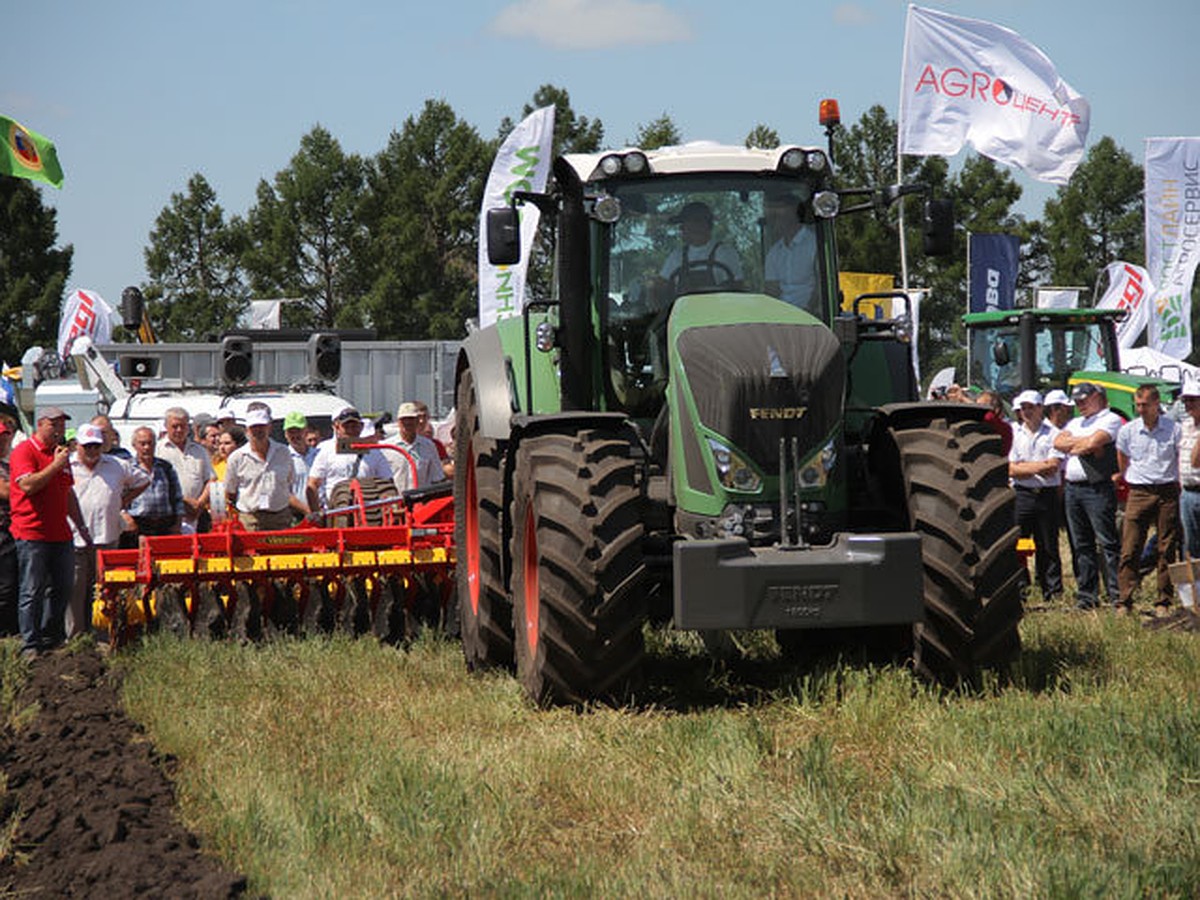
{"x": 485, "y": 612}
{"x": 578, "y": 568}
{"x": 958, "y": 499}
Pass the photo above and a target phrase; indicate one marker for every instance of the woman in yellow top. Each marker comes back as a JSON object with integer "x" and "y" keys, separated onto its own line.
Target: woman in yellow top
{"x": 231, "y": 437}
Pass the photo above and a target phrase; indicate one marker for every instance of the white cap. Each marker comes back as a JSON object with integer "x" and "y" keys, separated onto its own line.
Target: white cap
{"x": 1191, "y": 385}
{"x": 89, "y": 434}
{"x": 1031, "y": 397}
{"x": 1057, "y": 397}
{"x": 258, "y": 417}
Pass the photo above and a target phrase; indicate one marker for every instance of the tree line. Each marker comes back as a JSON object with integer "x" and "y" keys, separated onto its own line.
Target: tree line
{"x": 389, "y": 241}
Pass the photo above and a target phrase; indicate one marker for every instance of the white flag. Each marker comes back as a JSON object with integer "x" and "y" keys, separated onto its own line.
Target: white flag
{"x": 1057, "y": 298}
{"x": 970, "y": 81}
{"x": 522, "y": 164}
{"x": 1172, "y": 239}
{"x": 84, "y": 312}
{"x": 264, "y": 314}
{"x": 1129, "y": 288}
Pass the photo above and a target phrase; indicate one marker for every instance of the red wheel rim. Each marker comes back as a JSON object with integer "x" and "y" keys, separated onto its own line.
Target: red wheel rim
{"x": 471, "y": 510}
{"x": 530, "y": 570}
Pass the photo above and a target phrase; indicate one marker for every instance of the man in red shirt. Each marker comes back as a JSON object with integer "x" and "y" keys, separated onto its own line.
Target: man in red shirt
{"x": 41, "y": 502}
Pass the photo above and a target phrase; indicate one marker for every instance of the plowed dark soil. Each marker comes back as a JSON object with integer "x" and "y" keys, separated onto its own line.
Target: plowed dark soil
{"x": 95, "y": 806}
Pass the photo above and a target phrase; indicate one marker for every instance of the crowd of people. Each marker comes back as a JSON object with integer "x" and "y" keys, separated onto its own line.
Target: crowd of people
{"x": 1072, "y": 467}
{"x": 66, "y": 495}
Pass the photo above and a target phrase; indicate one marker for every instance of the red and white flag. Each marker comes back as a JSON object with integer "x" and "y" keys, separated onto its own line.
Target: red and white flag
{"x": 1129, "y": 288}
{"x": 84, "y": 312}
{"x": 970, "y": 81}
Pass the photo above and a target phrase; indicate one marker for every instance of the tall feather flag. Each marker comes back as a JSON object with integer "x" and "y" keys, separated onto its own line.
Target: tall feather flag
{"x": 26, "y": 154}
{"x": 1172, "y": 199}
{"x": 970, "y": 81}
{"x": 522, "y": 164}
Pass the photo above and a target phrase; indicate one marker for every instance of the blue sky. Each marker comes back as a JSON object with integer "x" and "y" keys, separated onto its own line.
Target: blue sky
{"x": 140, "y": 95}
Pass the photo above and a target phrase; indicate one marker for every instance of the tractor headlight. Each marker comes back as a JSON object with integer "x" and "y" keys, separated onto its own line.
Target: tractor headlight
{"x": 793, "y": 160}
{"x": 826, "y": 204}
{"x": 733, "y": 471}
{"x": 611, "y": 164}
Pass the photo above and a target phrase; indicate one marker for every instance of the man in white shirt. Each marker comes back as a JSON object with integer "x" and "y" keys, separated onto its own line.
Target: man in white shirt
{"x": 192, "y": 464}
{"x": 258, "y": 478}
{"x": 700, "y": 261}
{"x": 790, "y": 270}
{"x": 294, "y": 425}
{"x": 1088, "y": 441}
{"x": 1189, "y": 466}
{"x": 422, "y": 449}
{"x": 330, "y": 468}
{"x": 1148, "y": 459}
{"x": 104, "y": 485}
{"x": 1034, "y": 467}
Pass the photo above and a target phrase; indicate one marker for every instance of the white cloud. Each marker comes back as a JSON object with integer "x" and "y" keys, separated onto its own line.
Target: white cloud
{"x": 852, "y": 14}
{"x": 591, "y": 24}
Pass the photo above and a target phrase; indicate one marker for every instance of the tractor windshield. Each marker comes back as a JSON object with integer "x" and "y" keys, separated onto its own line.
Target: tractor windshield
{"x": 1059, "y": 349}
{"x": 726, "y": 233}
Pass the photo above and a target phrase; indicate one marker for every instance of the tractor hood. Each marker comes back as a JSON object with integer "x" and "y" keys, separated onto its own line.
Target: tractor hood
{"x": 748, "y": 372}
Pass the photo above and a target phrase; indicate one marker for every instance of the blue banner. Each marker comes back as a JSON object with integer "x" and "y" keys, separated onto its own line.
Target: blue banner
{"x": 992, "y": 279}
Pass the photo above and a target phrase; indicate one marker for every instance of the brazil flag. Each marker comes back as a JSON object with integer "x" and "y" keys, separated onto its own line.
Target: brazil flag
{"x": 26, "y": 154}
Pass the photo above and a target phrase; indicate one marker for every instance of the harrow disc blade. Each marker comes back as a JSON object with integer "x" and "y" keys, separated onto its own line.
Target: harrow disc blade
{"x": 171, "y": 615}
{"x": 355, "y": 615}
{"x": 388, "y": 620}
{"x": 245, "y": 622}
{"x": 208, "y": 620}
{"x": 284, "y": 611}
{"x": 320, "y": 614}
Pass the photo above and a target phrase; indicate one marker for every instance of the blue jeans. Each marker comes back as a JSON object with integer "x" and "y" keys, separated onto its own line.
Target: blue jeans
{"x": 1189, "y": 515}
{"x": 1092, "y": 524}
{"x": 47, "y": 576}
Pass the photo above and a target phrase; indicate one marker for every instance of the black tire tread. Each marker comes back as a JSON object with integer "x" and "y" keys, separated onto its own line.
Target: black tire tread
{"x": 583, "y": 491}
{"x": 959, "y": 502}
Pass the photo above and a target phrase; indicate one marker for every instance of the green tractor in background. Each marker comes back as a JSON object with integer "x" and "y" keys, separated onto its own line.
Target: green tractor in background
{"x": 1011, "y": 350}
{"x": 701, "y": 437}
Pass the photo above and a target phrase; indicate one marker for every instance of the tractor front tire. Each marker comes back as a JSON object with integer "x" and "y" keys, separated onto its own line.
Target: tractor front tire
{"x": 484, "y": 608}
{"x": 958, "y": 499}
{"x": 578, "y": 568}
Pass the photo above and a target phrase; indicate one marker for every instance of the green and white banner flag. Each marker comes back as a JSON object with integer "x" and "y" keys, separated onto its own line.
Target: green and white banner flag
{"x": 1172, "y": 239}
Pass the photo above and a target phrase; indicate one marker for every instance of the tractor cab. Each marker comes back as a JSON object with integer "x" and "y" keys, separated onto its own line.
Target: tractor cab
{"x": 1042, "y": 349}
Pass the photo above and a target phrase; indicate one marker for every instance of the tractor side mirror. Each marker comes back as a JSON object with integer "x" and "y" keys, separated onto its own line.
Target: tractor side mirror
{"x": 504, "y": 236}
{"x": 1000, "y": 353}
{"x": 132, "y": 305}
{"x": 938, "y": 227}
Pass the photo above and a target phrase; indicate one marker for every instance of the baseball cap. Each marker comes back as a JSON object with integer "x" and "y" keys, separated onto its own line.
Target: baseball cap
{"x": 52, "y": 412}
{"x": 346, "y": 414}
{"x": 1027, "y": 397}
{"x": 1057, "y": 398}
{"x": 1085, "y": 389}
{"x": 202, "y": 420}
{"x": 295, "y": 419}
{"x": 693, "y": 210}
{"x": 89, "y": 434}
{"x": 1191, "y": 385}
{"x": 408, "y": 410}
{"x": 258, "y": 417}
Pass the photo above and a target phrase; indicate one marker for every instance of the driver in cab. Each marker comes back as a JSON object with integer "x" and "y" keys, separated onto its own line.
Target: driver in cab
{"x": 700, "y": 261}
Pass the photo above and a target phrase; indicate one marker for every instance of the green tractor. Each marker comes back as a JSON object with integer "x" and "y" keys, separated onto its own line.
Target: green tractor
{"x": 690, "y": 431}
{"x": 1015, "y": 349}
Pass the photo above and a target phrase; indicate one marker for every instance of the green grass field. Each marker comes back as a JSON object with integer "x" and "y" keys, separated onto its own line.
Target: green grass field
{"x": 346, "y": 769}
